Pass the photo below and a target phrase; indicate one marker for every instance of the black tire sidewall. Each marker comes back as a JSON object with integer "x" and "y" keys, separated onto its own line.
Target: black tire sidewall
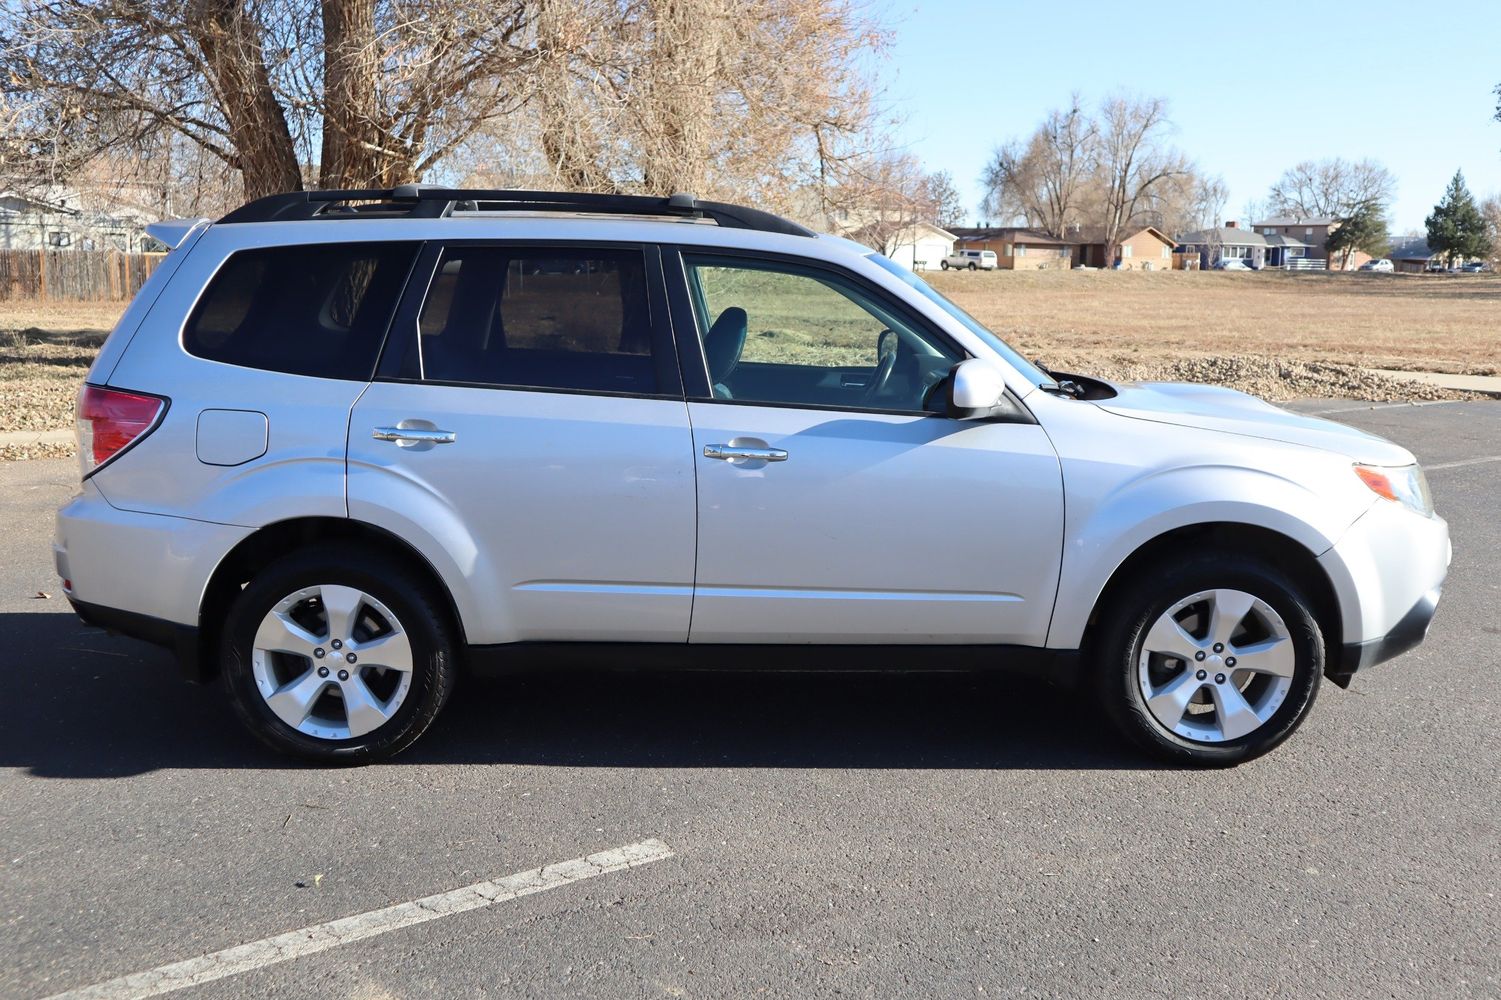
{"x": 1135, "y": 614}
{"x": 387, "y": 582}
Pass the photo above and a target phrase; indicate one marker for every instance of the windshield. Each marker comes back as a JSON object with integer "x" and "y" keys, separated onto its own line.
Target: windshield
{"x": 1030, "y": 371}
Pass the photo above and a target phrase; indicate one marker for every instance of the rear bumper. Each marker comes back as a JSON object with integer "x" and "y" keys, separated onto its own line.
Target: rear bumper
{"x": 180, "y": 640}
{"x": 1409, "y": 631}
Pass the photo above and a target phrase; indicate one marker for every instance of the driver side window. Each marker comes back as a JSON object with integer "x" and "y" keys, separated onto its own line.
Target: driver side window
{"x": 775, "y": 333}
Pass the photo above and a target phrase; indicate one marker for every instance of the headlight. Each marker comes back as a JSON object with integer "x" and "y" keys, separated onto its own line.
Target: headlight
{"x": 1403, "y": 484}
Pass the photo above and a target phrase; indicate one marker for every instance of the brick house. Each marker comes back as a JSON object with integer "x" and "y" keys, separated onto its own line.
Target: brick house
{"x": 1140, "y": 248}
{"x": 1019, "y": 248}
{"x": 1313, "y": 233}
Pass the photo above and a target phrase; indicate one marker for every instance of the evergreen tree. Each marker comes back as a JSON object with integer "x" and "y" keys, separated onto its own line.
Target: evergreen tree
{"x": 1364, "y": 229}
{"x": 1457, "y": 228}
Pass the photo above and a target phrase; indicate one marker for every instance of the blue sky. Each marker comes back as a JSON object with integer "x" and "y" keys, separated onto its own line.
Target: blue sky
{"x": 1253, "y": 87}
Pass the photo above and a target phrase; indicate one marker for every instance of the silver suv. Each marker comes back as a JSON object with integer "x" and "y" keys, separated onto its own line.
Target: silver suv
{"x": 344, "y": 446}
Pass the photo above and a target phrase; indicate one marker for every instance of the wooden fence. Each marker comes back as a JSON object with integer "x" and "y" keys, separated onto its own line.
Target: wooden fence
{"x": 73, "y": 275}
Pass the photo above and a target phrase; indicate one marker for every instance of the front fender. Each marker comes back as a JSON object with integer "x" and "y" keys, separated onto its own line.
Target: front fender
{"x": 1104, "y": 533}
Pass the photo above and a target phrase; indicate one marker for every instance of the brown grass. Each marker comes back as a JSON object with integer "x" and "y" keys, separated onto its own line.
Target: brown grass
{"x": 1413, "y": 322}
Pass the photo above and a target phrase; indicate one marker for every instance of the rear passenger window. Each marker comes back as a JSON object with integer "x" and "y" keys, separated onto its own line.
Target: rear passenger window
{"x": 319, "y": 309}
{"x": 539, "y": 318}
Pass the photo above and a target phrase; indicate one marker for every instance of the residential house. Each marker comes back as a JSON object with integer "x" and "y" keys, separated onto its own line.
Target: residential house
{"x": 34, "y": 223}
{"x": 1314, "y": 235}
{"x": 1414, "y": 256}
{"x": 1019, "y": 248}
{"x": 1289, "y": 252}
{"x": 60, "y": 219}
{"x": 1139, "y": 248}
{"x": 920, "y": 247}
{"x": 1227, "y": 242}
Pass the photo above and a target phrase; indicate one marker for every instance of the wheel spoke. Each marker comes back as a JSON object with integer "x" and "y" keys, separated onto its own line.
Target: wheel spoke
{"x": 1168, "y": 637}
{"x": 1273, "y": 656}
{"x": 1170, "y": 701}
{"x": 342, "y": 605}
{"x": 364, "y": 710}
{"x": 1229, "y": 609}
{"x": 1233, "y": 714}
{"x": 392, "y": 651}
{"x": 280, "y": 634}
{"x": 293, "y": 701}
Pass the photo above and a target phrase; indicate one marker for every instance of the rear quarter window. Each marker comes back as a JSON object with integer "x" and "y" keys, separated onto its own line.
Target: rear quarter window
{"x": 317, "y": 309}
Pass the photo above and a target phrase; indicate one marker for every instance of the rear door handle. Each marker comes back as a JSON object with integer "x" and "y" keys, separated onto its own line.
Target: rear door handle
{"x": 731, "y": 453}
{"x": 414, "y": 435}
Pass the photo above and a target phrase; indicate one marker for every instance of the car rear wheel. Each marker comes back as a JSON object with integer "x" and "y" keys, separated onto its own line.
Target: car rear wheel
{"x": 972, "y": 265}
{"x": 337, "y": 656}
{"x": 1213, "y": 661}
{"x": 943, "y": 265}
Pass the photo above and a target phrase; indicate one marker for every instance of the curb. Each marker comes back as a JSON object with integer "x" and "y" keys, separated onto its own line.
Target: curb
{"x": 1489, "y": 385}
{"x": 27, "y": 438}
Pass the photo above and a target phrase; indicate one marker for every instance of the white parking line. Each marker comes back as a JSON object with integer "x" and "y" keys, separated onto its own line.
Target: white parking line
{"x": 321, "y": 937}
{"x": 1462, "y": 462}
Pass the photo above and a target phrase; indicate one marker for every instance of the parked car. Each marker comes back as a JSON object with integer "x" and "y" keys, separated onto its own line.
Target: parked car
{"x": 1232, "y": 264}
{"x": 973, "y": 260}
{"x": 1381, "y": 264}
{"x": 345, "y": 446}
{"x": 1474, "y": 267}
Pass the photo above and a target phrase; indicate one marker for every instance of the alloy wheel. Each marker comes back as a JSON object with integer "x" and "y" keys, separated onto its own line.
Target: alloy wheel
{"x": 332, "y": 662}
{"x": 1216, "y": 666}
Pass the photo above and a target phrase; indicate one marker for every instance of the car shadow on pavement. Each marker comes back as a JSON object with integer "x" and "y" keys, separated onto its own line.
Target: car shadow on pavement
{"x": 83, "y": 704}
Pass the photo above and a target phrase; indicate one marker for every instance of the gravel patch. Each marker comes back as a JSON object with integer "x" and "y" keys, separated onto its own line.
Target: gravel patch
{"x": 1273, "y": 379}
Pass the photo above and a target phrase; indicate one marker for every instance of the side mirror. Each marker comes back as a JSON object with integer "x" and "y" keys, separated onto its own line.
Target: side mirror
{"x": 975, "y": 389}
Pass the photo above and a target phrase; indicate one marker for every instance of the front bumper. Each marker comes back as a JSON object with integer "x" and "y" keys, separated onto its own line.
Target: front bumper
{"x": 1411, "y": 630}
{"x": 1387, "y": 572}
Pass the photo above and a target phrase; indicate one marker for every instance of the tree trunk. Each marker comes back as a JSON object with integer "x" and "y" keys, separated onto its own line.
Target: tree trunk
{"x": 354, "y": 148}
{"x": 231, "y": 44}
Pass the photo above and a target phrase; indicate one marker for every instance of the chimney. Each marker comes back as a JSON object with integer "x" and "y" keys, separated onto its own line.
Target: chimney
{"x": 1230, "y": 224}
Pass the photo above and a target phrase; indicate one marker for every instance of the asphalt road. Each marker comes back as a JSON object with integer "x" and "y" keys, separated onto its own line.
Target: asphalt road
{"x": 831, "y": 836}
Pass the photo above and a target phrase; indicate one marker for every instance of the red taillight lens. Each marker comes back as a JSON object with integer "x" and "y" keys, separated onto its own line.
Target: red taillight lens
{"x": 110, "y": 420}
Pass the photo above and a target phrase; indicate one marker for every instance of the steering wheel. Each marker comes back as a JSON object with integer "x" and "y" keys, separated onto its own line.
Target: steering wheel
{"x": 886, "y": 350}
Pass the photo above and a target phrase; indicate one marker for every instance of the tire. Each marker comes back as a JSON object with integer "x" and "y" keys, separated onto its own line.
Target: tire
{"x": 972, "y": 265}
{"x": 1186, "y": 607}
{"x": 943, "y": 265}
{"x": 280, "y": 647}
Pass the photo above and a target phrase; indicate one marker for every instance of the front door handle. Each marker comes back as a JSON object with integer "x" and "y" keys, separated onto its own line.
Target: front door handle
{"x": 731, "y": 453}
{"x": 414, "y": 435}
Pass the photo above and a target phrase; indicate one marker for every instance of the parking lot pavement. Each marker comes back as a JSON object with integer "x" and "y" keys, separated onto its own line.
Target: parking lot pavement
{"x": 897, "y": 836}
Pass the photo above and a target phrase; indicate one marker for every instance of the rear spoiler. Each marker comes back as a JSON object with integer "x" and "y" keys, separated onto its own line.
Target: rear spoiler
{"x": 173, "y": 231}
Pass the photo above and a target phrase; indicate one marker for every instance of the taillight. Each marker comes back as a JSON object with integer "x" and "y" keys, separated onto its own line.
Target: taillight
{"x": 109, "y": 421}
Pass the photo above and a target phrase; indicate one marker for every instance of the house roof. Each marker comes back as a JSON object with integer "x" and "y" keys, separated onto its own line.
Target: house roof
{"x": 1224, "y": 236}
{"x": 1015, "y": 234}
{"x": 1096, "y": 234}
{"x": 1288, "y": 220}
{"x": 1416, "y": 249}
{"x": 47, "y": 206}
{"x": 1278, "y": 240}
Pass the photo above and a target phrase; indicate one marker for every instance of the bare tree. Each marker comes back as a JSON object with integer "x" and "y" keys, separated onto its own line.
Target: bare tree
{"x": 1490, "y": 208}
{"x": 1134, "y": 162}
{"x": 746, "y": 99}
{"x": 882, "y": 199}
{"x": 387, "y": 87}
{"x": 1331, "y": 188}
{"x": 1042, "y": 179}
{"x": 947, "y": 203}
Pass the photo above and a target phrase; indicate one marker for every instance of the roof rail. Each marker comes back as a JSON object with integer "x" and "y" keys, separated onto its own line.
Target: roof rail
{"x": 420, "y": 201}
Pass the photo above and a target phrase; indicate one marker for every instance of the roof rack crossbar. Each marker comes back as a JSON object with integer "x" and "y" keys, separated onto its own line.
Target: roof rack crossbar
{"x": 423, "y": 201}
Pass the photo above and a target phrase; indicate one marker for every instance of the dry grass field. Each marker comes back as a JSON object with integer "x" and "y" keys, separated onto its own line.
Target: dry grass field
{"x": 1449, "y": 323}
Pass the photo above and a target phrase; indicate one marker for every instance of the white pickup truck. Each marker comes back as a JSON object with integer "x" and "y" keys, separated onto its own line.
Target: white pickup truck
{"x": 974, "y": 260}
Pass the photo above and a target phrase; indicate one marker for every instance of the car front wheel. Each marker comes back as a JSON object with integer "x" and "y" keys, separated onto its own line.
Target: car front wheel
{"x": 337, "y": 655}
{"x": 1213, "y": 661}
